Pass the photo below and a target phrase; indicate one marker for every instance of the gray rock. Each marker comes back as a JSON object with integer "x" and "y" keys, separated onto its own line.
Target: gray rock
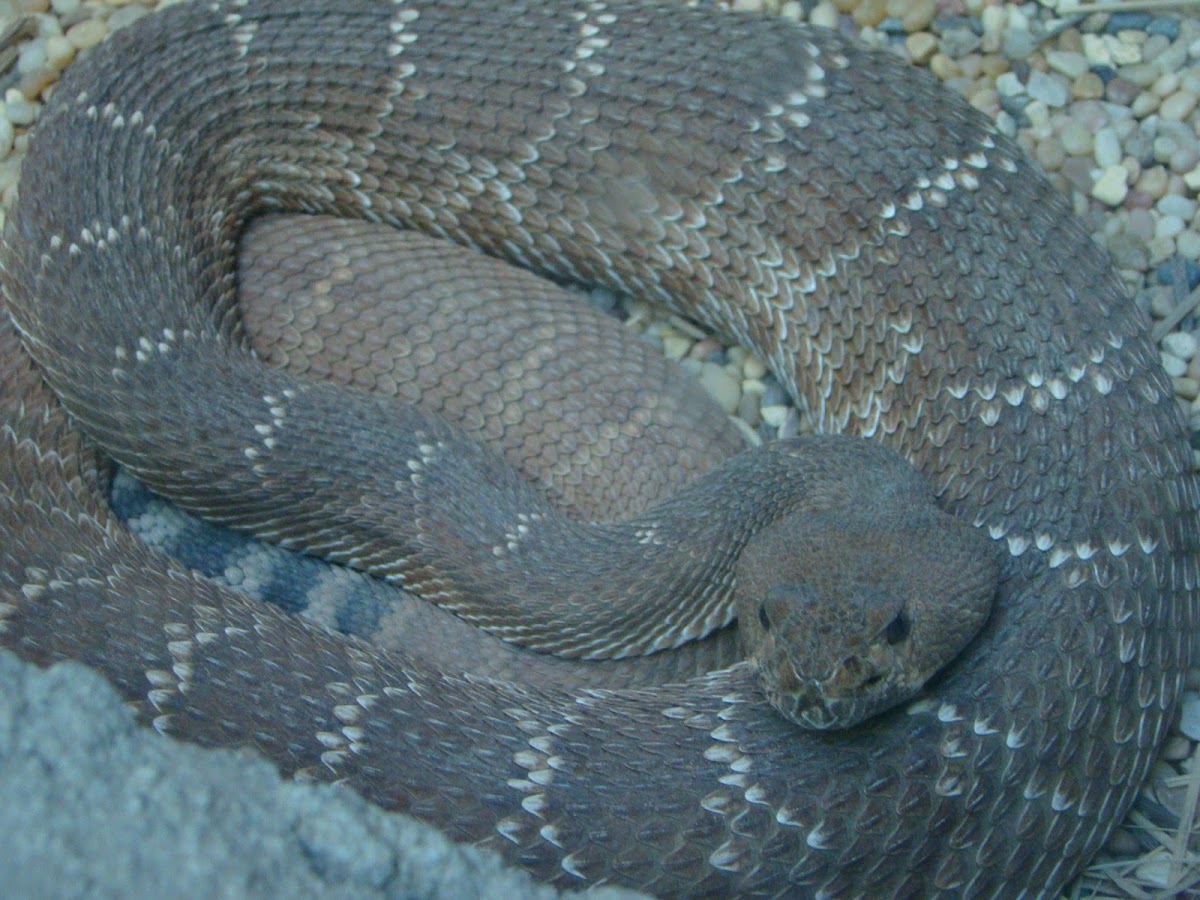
{"x": 92, "y": 805}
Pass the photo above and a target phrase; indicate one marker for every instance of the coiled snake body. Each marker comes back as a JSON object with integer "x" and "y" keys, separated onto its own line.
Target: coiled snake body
{"x": 899, "y": 265}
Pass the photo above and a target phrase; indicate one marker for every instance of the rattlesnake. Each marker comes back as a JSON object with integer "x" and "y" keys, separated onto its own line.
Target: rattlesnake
{"x": 934, "y": 295}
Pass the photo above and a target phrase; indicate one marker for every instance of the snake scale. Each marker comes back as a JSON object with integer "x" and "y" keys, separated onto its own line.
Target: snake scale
{"x": 895, "y": 260}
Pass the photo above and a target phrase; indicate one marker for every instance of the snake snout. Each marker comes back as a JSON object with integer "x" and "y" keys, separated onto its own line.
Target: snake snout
{"x": 847, "y": 611}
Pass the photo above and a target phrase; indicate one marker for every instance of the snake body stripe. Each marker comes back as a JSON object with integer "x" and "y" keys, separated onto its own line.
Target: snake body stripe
{"x": 896, "y": 261}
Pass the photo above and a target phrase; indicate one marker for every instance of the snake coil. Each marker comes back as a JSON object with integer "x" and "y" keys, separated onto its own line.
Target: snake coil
{"x": 904, "y": 271}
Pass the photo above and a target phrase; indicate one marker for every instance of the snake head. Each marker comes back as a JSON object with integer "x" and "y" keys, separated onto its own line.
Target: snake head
{"x": 844, "y": 614}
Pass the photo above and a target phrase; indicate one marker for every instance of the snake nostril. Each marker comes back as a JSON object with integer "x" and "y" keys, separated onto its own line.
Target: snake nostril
{"x": 763, "y": 619}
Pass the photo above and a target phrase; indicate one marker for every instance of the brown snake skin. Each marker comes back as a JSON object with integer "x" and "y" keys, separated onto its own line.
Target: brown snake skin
{"x": 896, "y": 261}
{"x": 411, "y": 317}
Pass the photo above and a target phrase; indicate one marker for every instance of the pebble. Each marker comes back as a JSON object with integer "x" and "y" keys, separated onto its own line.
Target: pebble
{"x": 824, "y": 14}
{"x": 1050, "y": 154}
{"x": 1106, "y": 148}
{"x": 1127, "y": 21}
{"x": 1069, "y": 63}
{"x": 1145, "y": 103}
{"x": 1096, "y": 50}
{"x": 1153, "y": 181}
{"x": 912, "y": 15}
{"x": 1173, "y": 365}
{"x": 1143, "y": 75}
{"x": 724, "y": 389}
{"x": 1087, "y": 86}
{"x": 1166, "y": 274}
{"x": 1165, "y": 26}
{"x": 59, "y": 53}
{"x": 1121, "y": 91}
{"x": 921, "y": 47}
{"x": 1053, "y": 90}
{"x": 1018, "y": 43}
{"x": 1189, "y": 716}
{"x": 1140, "y": 224}
{"x": 1110, "y": 188}
{"x": 1077, "y": 139}
{"x": 1168, "y": 227}
{"x": 1176, "y": 749}
{"x": 18, "y": 110}
{"x": 87, "y": 33}
{"x": 1156, "y": 872}
{"x": 1178, "y": 106}
{"x": 748, "y": 408}
{"x": 1009, "y": 85}
{"x": 775, "y": 416}
{"x": 1181, "y": 345}
{"x": 675, "y": 347}
{"x": 126, "y": 15}
{"x": 958, "y": 42}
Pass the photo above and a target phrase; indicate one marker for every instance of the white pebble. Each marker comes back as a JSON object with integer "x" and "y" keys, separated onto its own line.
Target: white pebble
{"x": 1076, "y": 138}
{"x": 1038, "y": 114}
{"x": 1067, "y": 62}
{"x": 1156, "y": 872}
{"x": 1186, "y": 387}
{"x": 1189, "y": 717}
{"x": 1166, "y": 84}
{"x": 1110, "y": 187}
{"x": 1187, "y": 245}
{"x": 1168, "y": 227}
{"x": 1008, "y": 84}
{"x": 1144, "y": 104}
{"x": 31, "y": 57}
{"x": 6, "y": 137}
{"x": 994, "y": 19}
{"x": 824, "y": 14}
{"x": 1180, "y": 344}
{"x": 59, "y": 53}
{"x": 1106, "y": 148}
{"x": 774, "y": 416}
{"x": 675, "y": 347}
{"x": 1175, "y": 205}
{"x": 1052, "y": 90}
{"x": 753, "y": 387}
{"x": 1160, "y": 249}
{"x": 87, "y": 33}
{"x": 725, "y": 390}
{"x": 1178, "y": 106}
{"x": 1125, "y": 52}
{"x": 1173, "y": 365}
{"x": 18, "y": 110}
{"x": 1096, "y": 50}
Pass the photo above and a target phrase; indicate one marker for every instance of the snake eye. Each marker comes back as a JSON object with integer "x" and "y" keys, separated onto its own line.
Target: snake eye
{"x": 897, "y": 629}
{"x": 763, "y": 619}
